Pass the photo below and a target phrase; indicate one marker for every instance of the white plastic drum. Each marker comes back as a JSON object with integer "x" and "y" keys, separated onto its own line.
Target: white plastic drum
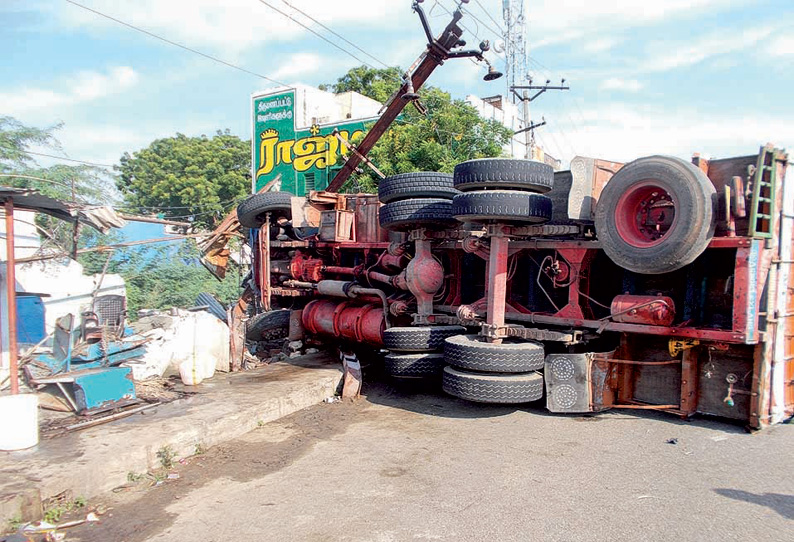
{"x": 19, "y": 421}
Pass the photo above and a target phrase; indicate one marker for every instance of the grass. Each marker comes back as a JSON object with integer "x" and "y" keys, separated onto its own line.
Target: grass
{"x": 54, "y": 514}
{"x": 166, "y": 456}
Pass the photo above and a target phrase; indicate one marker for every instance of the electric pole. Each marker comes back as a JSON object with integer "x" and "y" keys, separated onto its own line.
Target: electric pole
{"x": 526, "y": 99}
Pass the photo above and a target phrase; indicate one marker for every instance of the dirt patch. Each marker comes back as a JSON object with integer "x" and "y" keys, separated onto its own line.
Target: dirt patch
{"x": 266, "y": 450}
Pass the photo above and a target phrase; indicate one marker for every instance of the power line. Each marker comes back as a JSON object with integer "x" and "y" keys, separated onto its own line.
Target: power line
{"x": 293, "y": 19}
{"x": 69, "y": 159}
{"x": 175, "y": 44}
{"x": 337, "y": 35}
{"x": 500, "y": 33}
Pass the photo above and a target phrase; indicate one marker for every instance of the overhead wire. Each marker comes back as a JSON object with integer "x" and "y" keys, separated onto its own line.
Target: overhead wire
{"x": 69, "y": 159}
{"x": 498, "y": 25}
{"x": 293, "y": 19}
{"x": 341, "y": 37}
{"x": 176, "y": 44}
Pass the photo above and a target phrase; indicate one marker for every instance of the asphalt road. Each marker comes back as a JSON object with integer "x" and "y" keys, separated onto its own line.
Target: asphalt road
{"x": 398, "y": 465}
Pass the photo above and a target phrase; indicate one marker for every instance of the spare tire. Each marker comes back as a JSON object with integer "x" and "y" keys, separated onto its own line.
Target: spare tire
{"x": 656, "y": 215}
{"x": 416, "y": 185}
{"x": 502, "y": 206}
{"x": 493, "y": 388}
{"x": 475, "y": 353}
{"x": 417, "y": 213}
{"x": 414, "y": 365}
{"x": 251, "y": 212}
{"x": 504, "y": 173}
{"x": 419, "y": 338}
{"x": 267, "y": 326}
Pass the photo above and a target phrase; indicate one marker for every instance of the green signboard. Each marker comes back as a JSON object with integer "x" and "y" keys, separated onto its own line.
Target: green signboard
{"x": 307, "y": 158}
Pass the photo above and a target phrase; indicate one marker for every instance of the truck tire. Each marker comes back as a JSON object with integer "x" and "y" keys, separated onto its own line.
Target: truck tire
{"x": 414, "y": 365}
{"x": 251, "y": 212}
{"x": 504, "y": 173}
{"x": 633, "y": 217}
{"x": 214, "y": 307}
{"x": 417, "y": 213}
{"x": 502, "y": 206}
{"x": 416, "y": 185}
{"x": 419, "y": 338}
{"x": 493, "y": 388}
{"x": 473, "y": 353}
{"x": 267, "y": 326}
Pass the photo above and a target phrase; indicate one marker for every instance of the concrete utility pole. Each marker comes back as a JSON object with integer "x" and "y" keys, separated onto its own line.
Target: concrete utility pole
{"x": 526, "y": 99}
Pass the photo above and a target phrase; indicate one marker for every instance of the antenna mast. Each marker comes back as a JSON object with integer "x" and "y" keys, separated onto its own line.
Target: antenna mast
{"x": 515, "y": 42}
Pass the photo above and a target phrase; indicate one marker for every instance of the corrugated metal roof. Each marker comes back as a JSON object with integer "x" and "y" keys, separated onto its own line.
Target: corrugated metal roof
{"x": 102, "y": 218}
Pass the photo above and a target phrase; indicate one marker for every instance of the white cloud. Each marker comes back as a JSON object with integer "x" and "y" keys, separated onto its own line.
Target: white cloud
{"x": 703, "y": 49}
{"x": 82, "y": 87}
{"x": 617, "y": 83}
{"x": 297, "y": 65}
{"x": 624, "y": 132}
{"x": 231, "y": 26}
{"x": 781, "y": 46}
{"x": 552, "y": 21}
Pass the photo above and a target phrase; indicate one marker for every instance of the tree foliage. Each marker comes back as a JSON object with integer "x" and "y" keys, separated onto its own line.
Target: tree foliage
{"x": 451, "y": 132}
{"x": 378, "y": 84}
{"x": 196, "y": 177}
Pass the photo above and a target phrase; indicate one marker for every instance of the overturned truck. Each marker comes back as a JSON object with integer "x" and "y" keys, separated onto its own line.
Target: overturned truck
{"x": 659, "y": 284}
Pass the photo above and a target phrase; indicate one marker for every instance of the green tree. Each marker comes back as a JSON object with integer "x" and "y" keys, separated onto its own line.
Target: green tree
{"x": 451, "y": 132}
{"x": 196, "y": 177}
{"x": 378, "y": 84}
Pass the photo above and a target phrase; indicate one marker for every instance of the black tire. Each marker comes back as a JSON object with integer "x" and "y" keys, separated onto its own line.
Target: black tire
{"x": 251, "y": 212}
{"x": 493, "y": 388}
{"x": 661, "y": 184}
{"x": 419, "y": 338}
{"x": 502, "y": 206}
{"x": 416, "y": 185}
{"x": 504, "y": 173}
{"x": 214, "y": 307}
{"x": 414, "y": 365}
{"x": 417, "y": 213}
{"x": 268, "y": 326}
{"x": 473, "y": 353}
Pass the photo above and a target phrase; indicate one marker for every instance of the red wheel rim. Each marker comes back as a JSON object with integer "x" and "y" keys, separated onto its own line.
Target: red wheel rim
{"x": 645, "y": 214}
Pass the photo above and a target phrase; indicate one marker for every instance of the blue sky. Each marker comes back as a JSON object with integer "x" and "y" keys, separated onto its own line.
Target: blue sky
{"x": 646, "y": 77}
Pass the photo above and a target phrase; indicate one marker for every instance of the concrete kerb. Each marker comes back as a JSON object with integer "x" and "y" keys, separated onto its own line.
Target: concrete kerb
{"x": 90, "y": 462}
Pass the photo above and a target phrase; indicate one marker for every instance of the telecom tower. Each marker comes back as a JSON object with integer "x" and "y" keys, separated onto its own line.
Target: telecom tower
{"x": 515, "y": 43}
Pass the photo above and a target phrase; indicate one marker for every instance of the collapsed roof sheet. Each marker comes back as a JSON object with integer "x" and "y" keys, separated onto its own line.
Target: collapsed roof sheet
{"x": 99, "y": 217}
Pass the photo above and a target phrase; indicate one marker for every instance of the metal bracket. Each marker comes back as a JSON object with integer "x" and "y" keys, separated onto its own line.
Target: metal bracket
{"x": 531, "y": 334}
{"x": 676, "y": 346}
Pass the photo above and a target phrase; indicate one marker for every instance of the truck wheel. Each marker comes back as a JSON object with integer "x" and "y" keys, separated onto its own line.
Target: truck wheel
{"x": 493, "y": 388}
{"x": 501, "y": 206}
{"x": 414, "y": 365}
{"x": 416, "y": 185}
{"x": 656, "y": 215}
{"x": 419, "y": 338}
{"x": 214, "y": 307}
{"x": 416, "y": 213}
{"x": 504, "y": 173}
{"x": 473, "y": 353}
{"x": 251, "y": 212}
{"x": 267, "y": 326}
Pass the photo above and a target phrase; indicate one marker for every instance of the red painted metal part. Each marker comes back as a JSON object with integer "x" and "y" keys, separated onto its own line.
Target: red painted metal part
{"x": 11, "y": 297}
{"x": 424, "y": 277}
{"x": 305, "y": 268}
{"x": 497, "y": 280}
{"x": 644, "y": 214}
{"x": 335, "y": 319}
{"x": 643, "y": 309}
